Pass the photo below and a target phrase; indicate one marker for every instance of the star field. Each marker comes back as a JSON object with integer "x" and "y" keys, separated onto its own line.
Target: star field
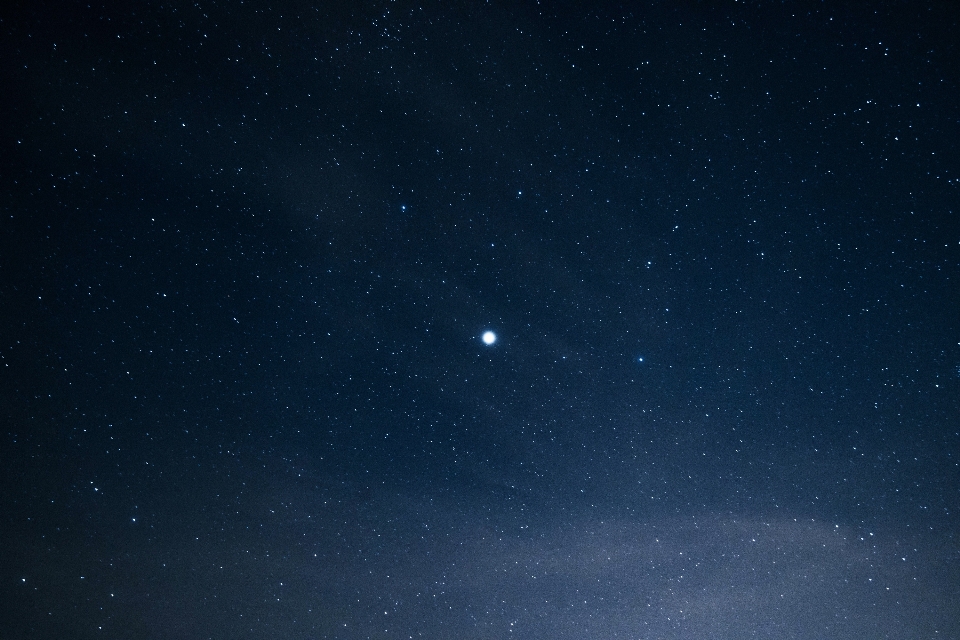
{"x": 385, "y": 320}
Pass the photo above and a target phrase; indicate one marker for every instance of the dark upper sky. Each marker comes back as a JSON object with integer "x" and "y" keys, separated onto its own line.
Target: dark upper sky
{"x": 248, "y": 251}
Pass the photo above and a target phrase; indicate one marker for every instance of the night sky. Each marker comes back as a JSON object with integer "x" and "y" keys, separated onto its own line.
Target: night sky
{"x": 249, "y": 252}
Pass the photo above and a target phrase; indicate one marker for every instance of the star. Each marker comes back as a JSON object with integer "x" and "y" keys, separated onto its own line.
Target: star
{"x": 489, "y": 337}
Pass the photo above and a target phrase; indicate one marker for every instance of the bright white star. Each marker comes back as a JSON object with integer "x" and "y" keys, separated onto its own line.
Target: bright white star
{"x": 489, "y": 337}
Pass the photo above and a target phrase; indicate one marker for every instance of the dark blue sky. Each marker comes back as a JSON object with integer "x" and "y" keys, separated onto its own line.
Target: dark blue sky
{"x": 248, "y": 252}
